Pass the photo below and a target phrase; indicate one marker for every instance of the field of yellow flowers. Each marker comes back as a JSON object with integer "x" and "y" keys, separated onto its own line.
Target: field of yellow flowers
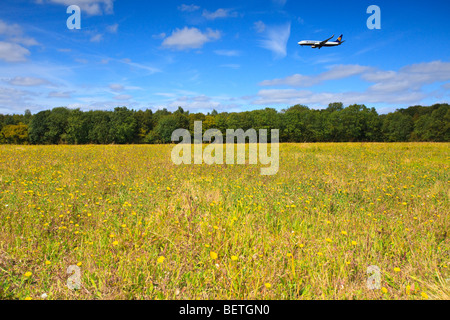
{"x": 139, "y": 227}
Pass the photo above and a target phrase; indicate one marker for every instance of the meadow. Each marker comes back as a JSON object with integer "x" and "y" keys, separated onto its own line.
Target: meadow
{"x": 140, "y": 227}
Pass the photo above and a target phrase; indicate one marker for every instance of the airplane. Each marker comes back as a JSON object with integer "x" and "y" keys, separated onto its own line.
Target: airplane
{"x": 325, "y": 43}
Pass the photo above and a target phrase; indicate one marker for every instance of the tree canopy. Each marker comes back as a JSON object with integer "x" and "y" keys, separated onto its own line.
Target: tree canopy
{"x": 299, "y": 123}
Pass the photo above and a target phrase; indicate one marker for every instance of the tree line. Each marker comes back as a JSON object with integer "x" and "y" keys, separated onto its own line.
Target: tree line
{"x": 336, "y": 123}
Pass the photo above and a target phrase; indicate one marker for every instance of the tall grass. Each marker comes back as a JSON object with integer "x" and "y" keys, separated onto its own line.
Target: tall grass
{"x": 140, "y": 227}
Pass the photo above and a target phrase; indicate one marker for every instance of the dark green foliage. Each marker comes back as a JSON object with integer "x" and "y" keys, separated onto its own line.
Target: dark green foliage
{"x": 122, "y": 126}
{"x": 336, "y": 123}
{"x": 14, "y": 134}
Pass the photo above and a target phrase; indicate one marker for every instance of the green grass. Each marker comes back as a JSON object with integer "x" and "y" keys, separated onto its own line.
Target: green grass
{"x": 116, "y": 209}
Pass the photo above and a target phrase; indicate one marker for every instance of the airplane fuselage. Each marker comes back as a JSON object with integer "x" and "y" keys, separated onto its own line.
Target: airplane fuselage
{"x": 316, "y": 44}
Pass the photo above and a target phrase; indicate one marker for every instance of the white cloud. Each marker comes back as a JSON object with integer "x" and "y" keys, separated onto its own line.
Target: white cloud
{"x": 63, "y": 95}
{"x": 189, "y": 38}
{"x": 10, "y": 30}
{"x": 96, "y": 38}
{"x": 12, "y": 52}
{"x": 231, "y": 66}
{"x": 116, "y": 87}
{"x": 26, "y": 41}
{"x": 280, "y": 3}
{"x": 82, "y": 61}
{"x": 90, "y": 7}
{"x": 219, "y": 13}
{"x": 197, "y": 102}
{"x": 194, "y": 101}
{"x": 28, "y": 81}
{"x": 12, "y": 100}
{"x": 335, "y": 73}
{"x": 289, "y": 97}
{"x": 227, "y": 53}
{"x": 412, "y": 77}
{"x": 276, "y": 38}
{"x": 259, "y": 26}
{"x": 123, "y": 97}
{"x": 405, "y": 86}
{"x": 296, "y": 80}
{"x": 188, "y": 8}
{"x": 112, "y": 28}
{"x": 130, "y": 63}
{"x": 162, "y": 35}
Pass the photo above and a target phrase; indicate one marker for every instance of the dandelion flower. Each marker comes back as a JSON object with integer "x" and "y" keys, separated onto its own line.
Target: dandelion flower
{"x": 397, "y": 269}
{"x": 234, "y": 258}
{"x": 344, "y": 233}
{"x": 28, "y": 274}
{"x": 79, "y": 264}
{"x": 213, "y": 255}
{"x": 329, "y": 240}
{"x": 268, "y": 285}
{"x": 354, "y": 243}
{"x": 408, "y": 289}
{"x": 424, "y": 295}
{"x": 161, "y": 259}
{"x": 48, "y": 262}
{"x": 384, "y": 290}
{"x": 115, "y": 243}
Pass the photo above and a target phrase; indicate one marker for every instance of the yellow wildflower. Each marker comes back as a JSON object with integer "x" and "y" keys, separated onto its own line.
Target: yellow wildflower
{"x": 213, "y": 255}
{"x": 161, "y": 259}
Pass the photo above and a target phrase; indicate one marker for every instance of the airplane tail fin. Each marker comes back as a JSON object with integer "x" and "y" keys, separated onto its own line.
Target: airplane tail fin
{"x": 339, "y": 39}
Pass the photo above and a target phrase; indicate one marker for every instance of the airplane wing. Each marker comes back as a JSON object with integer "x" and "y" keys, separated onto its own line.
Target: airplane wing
{"x": 325, "y": 41}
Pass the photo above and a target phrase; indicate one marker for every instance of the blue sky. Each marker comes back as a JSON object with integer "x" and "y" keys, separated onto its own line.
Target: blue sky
{"x": 224, "y": 55}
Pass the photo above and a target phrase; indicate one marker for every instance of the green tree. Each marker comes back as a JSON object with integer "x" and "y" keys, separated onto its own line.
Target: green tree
{"x": 77, "y": 131}
{"x": 166, "y": 126}
{"x": 397, "y": 127}
{"x": 39, "y": 127}
{"x": 123, "y": 126}
{"x": 14, "y": 134}
{"x": 99, "y": 124}
{"x": 144, "y": 123}
{"x": 57, "y": 122}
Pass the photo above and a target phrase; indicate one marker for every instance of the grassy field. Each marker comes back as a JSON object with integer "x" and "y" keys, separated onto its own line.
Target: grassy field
{"x": 140, "y": 227}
